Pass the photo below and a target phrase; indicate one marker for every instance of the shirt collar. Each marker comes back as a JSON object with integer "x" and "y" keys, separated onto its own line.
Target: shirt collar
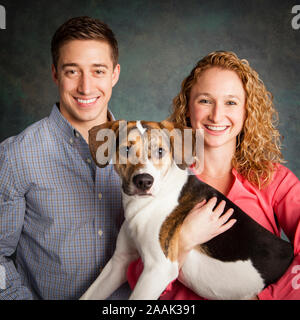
{"x": 67, "y": 130}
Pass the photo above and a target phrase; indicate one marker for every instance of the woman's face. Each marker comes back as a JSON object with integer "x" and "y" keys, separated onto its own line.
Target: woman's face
{"x": 217, "y": 105}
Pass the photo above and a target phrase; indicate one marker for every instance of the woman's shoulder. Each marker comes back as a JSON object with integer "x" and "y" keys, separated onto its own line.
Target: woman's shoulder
{"x": 282, "y": 173}
{"x": 283, "y": 182}
{"x": 282, "y": 179}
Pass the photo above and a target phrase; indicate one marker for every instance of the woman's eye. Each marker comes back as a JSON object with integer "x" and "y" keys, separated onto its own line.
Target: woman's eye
{"x": 232, "y": 103}
{"x": 204, "y": 101}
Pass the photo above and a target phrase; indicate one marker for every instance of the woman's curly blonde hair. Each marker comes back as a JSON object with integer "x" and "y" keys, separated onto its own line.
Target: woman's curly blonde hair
{"x": 258, "y": 145}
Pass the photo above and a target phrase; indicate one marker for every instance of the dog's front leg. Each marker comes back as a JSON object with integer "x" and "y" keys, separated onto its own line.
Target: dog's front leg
{"x": 154, "y": 279}
{"x": 114, "y": 273}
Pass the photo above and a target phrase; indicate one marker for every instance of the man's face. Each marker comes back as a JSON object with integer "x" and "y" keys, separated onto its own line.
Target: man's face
{"x": 85, "y": 77}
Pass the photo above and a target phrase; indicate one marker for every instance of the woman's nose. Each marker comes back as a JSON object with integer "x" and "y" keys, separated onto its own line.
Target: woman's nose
{"x": 217, "y": 113}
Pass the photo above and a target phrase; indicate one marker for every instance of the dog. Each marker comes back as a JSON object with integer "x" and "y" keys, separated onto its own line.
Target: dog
{"x": 158, "y": 193}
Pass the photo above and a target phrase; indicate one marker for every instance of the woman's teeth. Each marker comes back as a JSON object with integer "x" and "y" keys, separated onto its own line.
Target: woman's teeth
{"x": 213, "y": 128}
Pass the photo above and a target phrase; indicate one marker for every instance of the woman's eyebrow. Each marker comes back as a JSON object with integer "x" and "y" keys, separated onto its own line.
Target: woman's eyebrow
{"x": 202, "y": 94}
{"x": 232, "y": 96}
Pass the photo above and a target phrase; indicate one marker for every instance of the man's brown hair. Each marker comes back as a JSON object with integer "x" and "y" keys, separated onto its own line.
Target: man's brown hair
{"x": 83, "y": 28}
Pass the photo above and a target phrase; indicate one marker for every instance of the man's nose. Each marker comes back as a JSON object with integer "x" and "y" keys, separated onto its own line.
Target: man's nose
{"x": 84, "y": 86}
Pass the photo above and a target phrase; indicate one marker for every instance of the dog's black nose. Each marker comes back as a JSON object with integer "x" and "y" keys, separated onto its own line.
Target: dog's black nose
{"x": 143, "y": 181}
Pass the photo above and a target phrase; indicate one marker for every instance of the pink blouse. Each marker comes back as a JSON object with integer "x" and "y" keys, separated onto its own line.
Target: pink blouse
{"x": 282, "y": 198}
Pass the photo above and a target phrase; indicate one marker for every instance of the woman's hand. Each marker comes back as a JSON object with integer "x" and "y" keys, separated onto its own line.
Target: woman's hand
{"x": 202, "y": 224}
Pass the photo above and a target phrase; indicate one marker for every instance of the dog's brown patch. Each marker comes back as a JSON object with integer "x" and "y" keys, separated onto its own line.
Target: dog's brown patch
{"x": 170, "y": 230}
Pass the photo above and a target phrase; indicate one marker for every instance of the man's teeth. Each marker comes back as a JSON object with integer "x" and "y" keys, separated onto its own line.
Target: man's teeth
{"x": 86, "y": 101}
{"x": 216, "y": 128}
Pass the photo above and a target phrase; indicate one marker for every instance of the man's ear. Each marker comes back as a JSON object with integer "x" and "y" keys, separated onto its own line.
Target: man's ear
{"x": 54, "y": 74}
{"x": 116, "y": 74}
{"x": 102, "y": 142}
{"x": 182, "y": 142}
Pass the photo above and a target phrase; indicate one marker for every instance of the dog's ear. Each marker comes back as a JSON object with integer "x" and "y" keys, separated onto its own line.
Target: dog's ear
{"x": 182, "y": 142}
{"x": 102, "y": 142}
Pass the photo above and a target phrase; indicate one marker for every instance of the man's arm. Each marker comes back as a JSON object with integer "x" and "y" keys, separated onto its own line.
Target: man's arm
{"x": 12, "y": 210}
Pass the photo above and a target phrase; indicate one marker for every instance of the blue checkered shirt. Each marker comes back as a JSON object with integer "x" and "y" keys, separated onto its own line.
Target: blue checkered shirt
{"x": 59, "y": 213}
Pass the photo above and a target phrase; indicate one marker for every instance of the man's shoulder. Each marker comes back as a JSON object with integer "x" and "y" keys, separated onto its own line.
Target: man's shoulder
{"x": 31, "y": 137}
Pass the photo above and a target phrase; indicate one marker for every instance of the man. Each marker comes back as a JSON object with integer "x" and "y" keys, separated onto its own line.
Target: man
{"x": 59, "y": 213}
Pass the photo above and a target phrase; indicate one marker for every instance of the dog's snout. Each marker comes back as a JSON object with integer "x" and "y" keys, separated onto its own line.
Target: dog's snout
{"x": 143, "y": 181}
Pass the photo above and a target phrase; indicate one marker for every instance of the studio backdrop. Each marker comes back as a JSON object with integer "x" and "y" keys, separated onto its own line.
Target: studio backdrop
{"x": 159, "y": 43}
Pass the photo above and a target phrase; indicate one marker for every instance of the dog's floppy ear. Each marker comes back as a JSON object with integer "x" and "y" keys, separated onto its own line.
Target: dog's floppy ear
{"x": 182, "y": 142}
{"x": 102, "y": 142}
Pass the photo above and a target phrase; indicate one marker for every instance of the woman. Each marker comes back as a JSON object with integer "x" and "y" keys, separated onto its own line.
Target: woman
{"x": 224, "y": 96}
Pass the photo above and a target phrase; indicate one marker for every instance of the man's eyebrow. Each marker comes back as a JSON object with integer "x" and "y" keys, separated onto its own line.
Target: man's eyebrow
{"x": 72, "y": 64}
{"x": 69, "y": 65}
{"x": 100, "y": 65}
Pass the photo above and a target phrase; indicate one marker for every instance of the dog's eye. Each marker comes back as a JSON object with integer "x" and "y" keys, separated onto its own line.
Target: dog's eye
{"x": 124, "y": 151}
{"x": 160, "y": 152}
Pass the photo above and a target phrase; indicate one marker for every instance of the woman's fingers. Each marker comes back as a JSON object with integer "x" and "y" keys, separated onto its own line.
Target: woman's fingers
{"x": 211, "y": 203}
{"x": 199, "y": 204}
{"x": 204, "y": 222}
{"x": 226, "y": 216}
{"x": 219, "y": 209}
{"x": 227, "y": 226}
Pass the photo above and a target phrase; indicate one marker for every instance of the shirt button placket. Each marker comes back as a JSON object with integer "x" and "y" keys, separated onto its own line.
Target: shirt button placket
{"x": 99, "y": 220}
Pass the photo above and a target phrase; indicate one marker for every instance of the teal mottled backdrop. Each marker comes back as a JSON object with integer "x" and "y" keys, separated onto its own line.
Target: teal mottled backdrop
{"x": 159, "y": 42}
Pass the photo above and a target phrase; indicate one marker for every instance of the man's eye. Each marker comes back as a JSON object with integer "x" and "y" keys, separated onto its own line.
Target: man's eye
{"x": 99, "y": 72}
{"x": 71, "y": 72}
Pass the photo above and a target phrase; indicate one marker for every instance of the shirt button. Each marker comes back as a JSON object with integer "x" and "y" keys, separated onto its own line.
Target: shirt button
{"x": 100, "y": 196}
{"x": 100, "y": 232}
{"x": 88, "y": 160}
{"x": 77, "y": 134}
{"x": 71, "y": 140}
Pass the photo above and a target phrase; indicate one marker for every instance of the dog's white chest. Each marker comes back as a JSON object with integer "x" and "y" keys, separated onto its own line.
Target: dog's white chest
{"x": 144, "y": 227}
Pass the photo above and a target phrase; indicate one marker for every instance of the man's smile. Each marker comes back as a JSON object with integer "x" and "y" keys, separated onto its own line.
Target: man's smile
{"x": 86, "y": 102}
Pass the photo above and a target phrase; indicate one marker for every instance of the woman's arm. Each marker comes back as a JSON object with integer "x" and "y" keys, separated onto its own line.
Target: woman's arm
{"x": 286, "y": 204}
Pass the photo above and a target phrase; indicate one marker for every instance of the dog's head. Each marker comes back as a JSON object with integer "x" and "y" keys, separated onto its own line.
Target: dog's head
{"x": 142, "y": 152}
